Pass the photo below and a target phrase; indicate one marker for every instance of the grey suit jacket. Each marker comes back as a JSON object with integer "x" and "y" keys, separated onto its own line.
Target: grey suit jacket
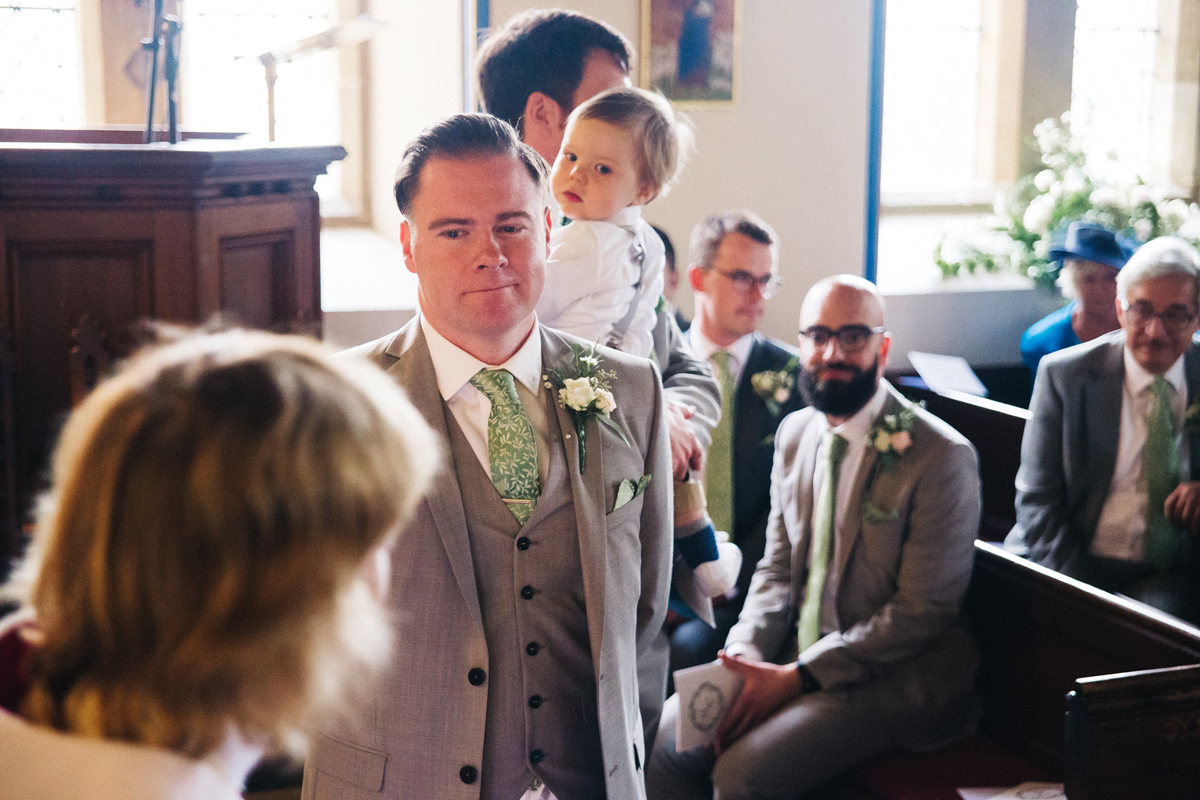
{"x": 900, "y": 584}
{"x": 686, "y": 378}
{"x": 1069, "y": 450}
{"x": 428, "y": 718}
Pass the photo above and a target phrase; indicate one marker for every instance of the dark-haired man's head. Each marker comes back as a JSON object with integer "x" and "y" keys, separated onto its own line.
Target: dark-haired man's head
{"x": 476, "y": 231}
{"x": 843, "y": 345}
{"x": 538, "y": 67}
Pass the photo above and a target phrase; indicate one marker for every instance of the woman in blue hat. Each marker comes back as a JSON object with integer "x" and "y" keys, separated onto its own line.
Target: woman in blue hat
{"x": 1090, "y": 258}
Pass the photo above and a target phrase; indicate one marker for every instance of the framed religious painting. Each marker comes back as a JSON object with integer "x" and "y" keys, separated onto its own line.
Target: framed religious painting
{"x": 690, "y": 49}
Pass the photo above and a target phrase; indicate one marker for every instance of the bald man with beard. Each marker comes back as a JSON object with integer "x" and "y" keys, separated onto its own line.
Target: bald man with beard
{"x": 851, "y": 641}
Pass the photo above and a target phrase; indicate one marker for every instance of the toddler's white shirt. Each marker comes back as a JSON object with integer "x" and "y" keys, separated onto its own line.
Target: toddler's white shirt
{"x": 591, "y": 279}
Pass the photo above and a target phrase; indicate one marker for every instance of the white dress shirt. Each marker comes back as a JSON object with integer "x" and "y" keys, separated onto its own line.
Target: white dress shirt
{"x": 1121, "y": 528}
{"x": 454, "y": 368}
{"x": 591, "y": 280}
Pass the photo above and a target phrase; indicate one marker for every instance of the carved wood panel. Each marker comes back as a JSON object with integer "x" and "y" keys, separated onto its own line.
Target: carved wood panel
{"x": 54, "y": 285}
{"x": 257, "y": 279}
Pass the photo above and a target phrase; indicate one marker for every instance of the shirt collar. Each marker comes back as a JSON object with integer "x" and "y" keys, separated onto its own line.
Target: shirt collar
{"x": 1137, "y": 379}
{"x": 627, "y": 217}
{"x": 454, "y": 367}
{"x": 856, "y": 428}
{"x": 705, "y": 347}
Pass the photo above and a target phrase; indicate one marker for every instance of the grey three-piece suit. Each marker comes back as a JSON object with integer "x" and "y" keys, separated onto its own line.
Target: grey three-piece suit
{"x": 519, "y": 650}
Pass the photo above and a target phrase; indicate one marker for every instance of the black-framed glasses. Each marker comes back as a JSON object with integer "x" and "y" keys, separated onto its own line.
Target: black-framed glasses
{"x": 742, "y": 281}
{"x": 850, "y": 338}
{"x": 1175, "y": 319}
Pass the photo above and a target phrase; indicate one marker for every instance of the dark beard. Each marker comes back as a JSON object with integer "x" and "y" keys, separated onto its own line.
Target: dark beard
{"x": 840, "y": 398}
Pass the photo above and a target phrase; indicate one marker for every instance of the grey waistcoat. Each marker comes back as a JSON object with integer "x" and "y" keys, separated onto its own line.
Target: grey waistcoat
{"x": 541, "y": 705}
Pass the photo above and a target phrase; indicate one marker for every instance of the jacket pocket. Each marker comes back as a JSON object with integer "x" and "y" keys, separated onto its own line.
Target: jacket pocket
{"x": 349, "y": 762}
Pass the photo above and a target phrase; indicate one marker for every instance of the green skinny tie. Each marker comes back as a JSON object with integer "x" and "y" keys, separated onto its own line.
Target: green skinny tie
{"x": 1160, "y": 466}
{"x": 512, "y": 450}
{"x": 718, "y": 469}
{"x": 810, "y": 612}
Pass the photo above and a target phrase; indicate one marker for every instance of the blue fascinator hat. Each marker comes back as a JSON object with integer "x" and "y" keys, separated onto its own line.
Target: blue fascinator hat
{"x": 1092, "y": 242}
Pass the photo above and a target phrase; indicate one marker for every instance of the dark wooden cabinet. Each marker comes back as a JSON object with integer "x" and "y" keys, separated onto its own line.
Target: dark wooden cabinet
{"x": 104, "y": 235}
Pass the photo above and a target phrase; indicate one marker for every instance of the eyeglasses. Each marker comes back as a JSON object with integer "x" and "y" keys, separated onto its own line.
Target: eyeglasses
{"x": 1174, "y": 319}
{"x": 742, "y": 281}
{"x": 850, "y": 338}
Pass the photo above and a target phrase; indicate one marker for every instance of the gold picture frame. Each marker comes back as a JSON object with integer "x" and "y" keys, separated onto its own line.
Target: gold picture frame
{"x": 690, "y": 50}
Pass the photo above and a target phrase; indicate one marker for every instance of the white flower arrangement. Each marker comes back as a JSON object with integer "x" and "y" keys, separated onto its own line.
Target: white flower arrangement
{"x": 1068, "y": 189}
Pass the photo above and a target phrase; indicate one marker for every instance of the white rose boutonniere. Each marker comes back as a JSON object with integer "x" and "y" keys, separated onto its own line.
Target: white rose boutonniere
{"x": 583, "y": 388}
{"x": 775, "y": 386}
{"x": 890, "y": 437}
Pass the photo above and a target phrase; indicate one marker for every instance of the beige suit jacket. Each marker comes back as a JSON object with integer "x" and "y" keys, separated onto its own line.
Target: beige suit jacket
{"x": 428, "y": 717}
{"x": 900, "y": 583}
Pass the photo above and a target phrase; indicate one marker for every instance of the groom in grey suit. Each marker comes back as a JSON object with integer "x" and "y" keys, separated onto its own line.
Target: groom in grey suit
{"x": 530, "y": 584}
{"x": 1084, "y": 503}
{"x": 851, "y": 640}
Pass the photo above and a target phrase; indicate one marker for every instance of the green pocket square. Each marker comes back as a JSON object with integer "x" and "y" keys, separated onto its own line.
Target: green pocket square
{"x": 628, "y": 489}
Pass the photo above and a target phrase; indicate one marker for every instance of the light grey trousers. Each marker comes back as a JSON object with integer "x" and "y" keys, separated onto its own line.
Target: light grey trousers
{"x": 800, "y": 746}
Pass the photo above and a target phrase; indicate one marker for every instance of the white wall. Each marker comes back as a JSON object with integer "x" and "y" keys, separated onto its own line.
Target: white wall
{"x": 792, "y": 147}
{"x": 416, "y": 78}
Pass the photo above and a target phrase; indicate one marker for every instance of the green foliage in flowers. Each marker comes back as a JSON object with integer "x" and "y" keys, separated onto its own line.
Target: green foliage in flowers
{"x": 1039, "y": 205}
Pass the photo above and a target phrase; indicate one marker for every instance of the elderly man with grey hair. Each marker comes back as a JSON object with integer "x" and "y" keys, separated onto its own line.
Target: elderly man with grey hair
{"x": 1109, "y": 486}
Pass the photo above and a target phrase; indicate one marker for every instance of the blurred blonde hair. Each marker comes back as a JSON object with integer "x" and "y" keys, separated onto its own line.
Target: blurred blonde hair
{"x": 199, "y": 560}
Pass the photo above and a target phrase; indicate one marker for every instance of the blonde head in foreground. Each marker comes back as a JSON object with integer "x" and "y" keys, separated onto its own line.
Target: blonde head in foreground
{"x": 212, "y": 554}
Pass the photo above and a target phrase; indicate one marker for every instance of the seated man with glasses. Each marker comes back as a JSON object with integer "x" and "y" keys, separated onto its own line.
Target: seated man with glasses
{"x": 734, "y": 271}
{"x": 1109, "y": 486}
{"x": 851, "y": 641}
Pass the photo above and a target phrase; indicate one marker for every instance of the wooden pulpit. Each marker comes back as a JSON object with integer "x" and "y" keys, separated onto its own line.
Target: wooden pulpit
{"x": 95, "y": 238}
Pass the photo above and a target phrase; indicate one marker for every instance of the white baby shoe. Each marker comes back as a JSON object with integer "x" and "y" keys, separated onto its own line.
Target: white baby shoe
{"x": 717, "y": 578}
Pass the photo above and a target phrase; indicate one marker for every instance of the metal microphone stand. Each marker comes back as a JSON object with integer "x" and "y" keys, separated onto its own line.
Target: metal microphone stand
{"x": 164, "y": 34}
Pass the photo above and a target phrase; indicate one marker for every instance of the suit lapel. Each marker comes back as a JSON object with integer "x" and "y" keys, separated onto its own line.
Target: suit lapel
{"x": 753, "y": 423}
{"x": 1191, "y": 370}
{"x": 414, "y": 371}
{"x": 587, "y": 493}
{"x": 1101, "y": 395}
{"x": 846, "y": 535}
{"x": 806, "y": 456}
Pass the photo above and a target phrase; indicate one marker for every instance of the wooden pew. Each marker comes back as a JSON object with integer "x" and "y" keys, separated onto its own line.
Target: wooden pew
{"x": 1042, "y": 635}
{"x": 1134, "y": 736}
{"x": 1040, "y": 632}
{"x": 996, "y": 430}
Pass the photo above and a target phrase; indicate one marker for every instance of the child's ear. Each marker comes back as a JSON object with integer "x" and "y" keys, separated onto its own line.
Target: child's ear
{"x": 645, "y": 194}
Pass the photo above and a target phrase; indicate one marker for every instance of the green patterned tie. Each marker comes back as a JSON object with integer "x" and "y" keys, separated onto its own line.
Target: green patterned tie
{"x": 1160, "y": 466}
{"x": 512, "y": 450}
{"x": 718, "y": 469}
{"x": 822, "y": 538}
